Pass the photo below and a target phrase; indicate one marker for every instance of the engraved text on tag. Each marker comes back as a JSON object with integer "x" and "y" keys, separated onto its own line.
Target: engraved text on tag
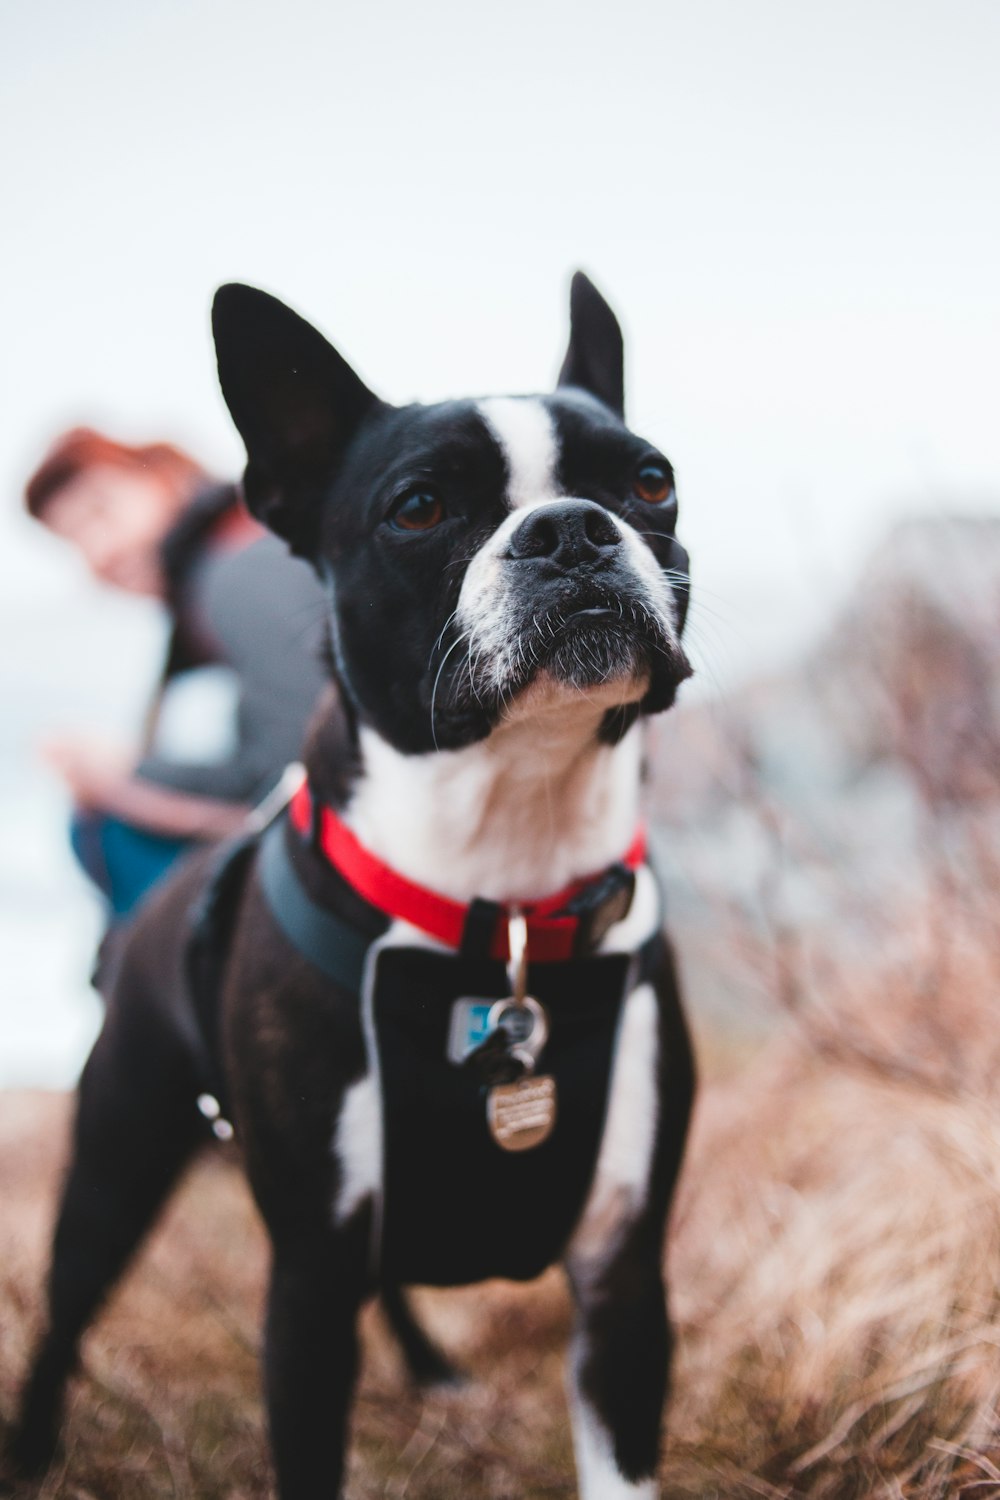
{"x": 522, "y": 1114}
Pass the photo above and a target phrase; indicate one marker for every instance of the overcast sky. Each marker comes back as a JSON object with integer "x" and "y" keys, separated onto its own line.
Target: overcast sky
{"x": 793, "y": 206}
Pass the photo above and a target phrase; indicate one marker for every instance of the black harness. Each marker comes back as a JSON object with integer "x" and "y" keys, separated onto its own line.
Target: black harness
{"x": 455, "y": 1206}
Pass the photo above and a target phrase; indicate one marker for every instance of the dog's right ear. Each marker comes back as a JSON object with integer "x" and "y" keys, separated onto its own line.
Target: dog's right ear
{"x": 595, "y": 359}
{"x": 296, "y": 403}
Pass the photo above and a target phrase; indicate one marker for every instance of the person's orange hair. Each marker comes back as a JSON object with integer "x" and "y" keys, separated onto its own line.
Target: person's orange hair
{"x": 83, "y": 448}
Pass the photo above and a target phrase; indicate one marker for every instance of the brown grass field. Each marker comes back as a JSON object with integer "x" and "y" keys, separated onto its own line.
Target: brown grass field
{"x": 834, "y": 1281}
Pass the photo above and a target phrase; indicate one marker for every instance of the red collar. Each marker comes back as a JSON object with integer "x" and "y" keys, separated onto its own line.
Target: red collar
{"x": 553, "y": 930}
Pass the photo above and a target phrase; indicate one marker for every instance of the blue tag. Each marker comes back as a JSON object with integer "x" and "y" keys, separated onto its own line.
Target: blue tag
{"x": 468, "y": 1027}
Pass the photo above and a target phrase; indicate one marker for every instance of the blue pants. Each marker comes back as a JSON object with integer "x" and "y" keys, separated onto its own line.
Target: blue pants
{"x": 122, "y": 861}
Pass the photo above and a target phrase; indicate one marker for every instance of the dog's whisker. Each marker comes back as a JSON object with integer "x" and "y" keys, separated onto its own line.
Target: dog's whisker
{"x": 440, "y": 638}
{"x": 444, "y": 660}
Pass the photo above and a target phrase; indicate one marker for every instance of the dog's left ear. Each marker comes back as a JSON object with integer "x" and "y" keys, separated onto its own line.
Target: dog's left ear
{"x": 595, "y": 359}
{"x": 297, "y": 405}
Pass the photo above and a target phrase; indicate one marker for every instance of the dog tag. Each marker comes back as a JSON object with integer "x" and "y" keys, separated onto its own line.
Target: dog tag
{"x": 521, "y": 1115}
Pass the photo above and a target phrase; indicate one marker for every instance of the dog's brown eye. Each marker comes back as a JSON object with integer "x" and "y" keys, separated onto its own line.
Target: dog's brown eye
{"x": 419, "y": 511}
{"x": 653, "y": 484}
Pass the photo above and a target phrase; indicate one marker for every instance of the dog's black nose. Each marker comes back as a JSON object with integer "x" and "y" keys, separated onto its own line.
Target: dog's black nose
{"x": 566, "y": 533}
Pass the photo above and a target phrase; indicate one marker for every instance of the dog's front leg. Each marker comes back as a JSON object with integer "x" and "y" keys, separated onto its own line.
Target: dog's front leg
{"x": 311, "y": 1357}
{"x": 617, "y": 1377}
{"x": 620, "y": 1358}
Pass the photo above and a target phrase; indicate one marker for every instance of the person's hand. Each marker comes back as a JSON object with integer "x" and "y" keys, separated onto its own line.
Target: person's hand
{"x": 99, "y": 774}
{"x": 95, "y": 769}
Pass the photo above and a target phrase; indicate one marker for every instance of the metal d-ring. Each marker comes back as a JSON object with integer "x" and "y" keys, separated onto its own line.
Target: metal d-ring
{"x": 524, "y": 1047}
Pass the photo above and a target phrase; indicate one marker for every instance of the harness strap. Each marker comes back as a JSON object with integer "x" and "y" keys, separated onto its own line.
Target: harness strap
{"x": 330, "y": 944}
{"x": 212, "y": 922}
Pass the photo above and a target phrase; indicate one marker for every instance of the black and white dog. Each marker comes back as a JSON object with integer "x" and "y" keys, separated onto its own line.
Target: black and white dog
{"x": 433, "y": 994}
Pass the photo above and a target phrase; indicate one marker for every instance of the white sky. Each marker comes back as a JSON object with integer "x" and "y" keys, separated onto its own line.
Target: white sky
{"x": 793, "y": 206}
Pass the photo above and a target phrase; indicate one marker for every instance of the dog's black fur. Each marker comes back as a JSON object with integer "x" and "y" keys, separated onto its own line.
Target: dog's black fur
{"x": 340, "y": 475}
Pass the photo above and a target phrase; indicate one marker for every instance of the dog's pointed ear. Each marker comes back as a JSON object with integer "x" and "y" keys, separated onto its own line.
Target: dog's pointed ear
{"x": 595, "y": 359}
{"x": 295, "y": 401}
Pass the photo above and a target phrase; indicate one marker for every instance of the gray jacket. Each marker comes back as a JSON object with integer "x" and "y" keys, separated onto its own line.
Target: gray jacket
{"x": 259, "y": 611}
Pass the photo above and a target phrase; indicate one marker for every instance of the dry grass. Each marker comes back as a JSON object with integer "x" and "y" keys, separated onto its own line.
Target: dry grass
{"x": 833, "y": 1267}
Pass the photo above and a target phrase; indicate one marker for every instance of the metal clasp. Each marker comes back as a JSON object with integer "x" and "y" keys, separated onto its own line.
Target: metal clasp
{"x": 520, "y": 1017}
{"x": 517, "y": 963}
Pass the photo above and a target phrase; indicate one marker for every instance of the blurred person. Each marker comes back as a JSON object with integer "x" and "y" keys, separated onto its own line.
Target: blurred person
{"x": 150, "y": 520}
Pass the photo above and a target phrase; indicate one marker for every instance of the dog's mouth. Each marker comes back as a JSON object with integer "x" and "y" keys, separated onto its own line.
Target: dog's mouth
{"x": 592, "y": 612}
{"x": 609, "y": 641}
{"x": 590, "y": 645}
